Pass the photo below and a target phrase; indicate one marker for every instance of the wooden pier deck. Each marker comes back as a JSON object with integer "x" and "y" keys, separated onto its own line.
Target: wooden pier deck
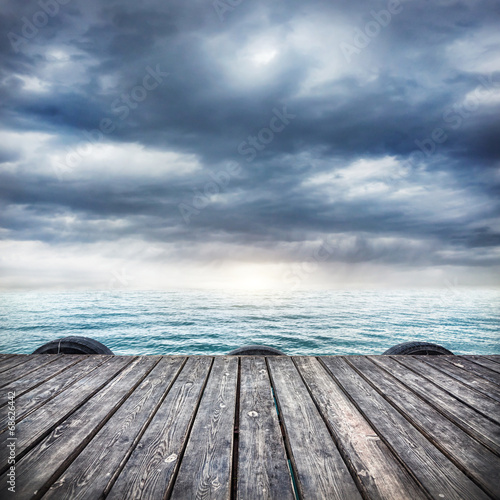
{"x": 228, "y": 427}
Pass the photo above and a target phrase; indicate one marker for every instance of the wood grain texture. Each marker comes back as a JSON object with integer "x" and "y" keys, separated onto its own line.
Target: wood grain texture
{"x": 205, "y": 470}
{"x": 483, "y": 361}
{"x": 38, "y": 396}
{"x": 484, "y": 405}
{"x": 483, "y": 429}
{"x": 465, "y": 376}
{"x": 11, "y": 361}
{"x": 149, "y": 472}
{"x": 94, "y": 471}
{"x": 23, "y": 369}
{"x": 36, "y": 471}
{"x": 319, "y": 468}
{"x": 42, "y": 374}
{"x": 434, "y": 471}
{"x": 4, "y": 358}
{"x": 478, "y": 370}
{"x": 38, "y": 424}
{"x": 163, "y": 427}
{"x": 263, "y": 471}
{"x": 378, "y": 472}
{"x": 479, "y": 463}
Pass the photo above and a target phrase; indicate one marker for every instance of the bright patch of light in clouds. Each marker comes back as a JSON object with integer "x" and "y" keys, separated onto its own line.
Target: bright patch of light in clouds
{"x": 296, "y": 165}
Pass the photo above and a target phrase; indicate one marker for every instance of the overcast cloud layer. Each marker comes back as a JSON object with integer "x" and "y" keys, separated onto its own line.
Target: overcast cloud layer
{"x": 249, "y": 143}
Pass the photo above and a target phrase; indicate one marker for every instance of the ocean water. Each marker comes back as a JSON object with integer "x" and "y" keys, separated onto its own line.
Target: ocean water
{"x": 215, "y": 322}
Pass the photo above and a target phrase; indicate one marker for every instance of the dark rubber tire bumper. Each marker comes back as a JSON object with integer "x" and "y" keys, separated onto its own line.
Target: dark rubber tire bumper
{"x": 256, "y": 350}
{"x": 73, "y": 345}
{"x": 425, "y": 348}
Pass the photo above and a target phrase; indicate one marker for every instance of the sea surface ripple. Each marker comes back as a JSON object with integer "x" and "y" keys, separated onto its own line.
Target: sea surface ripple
{"x": 465, "y": 321}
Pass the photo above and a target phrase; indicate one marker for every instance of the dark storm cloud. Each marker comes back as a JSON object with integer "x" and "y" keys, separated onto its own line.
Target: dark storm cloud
{"x": 423, "y": 93}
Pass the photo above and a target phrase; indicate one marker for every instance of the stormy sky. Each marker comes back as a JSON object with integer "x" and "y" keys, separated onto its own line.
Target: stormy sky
{"x": 247, "y": 144}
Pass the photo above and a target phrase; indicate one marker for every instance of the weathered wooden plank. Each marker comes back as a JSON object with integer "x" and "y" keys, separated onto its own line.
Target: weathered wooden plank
{"x": 474, "y": 459}
{"x": 149, "y": 472}
{"x": 26, "y": 366}
{"x": 262, "y": 463}
{"x": 434, "y": 471}
{"x": 90, "y": 441}
{"x": 483, "y": 361}
{"x": 205, "y": 469}
{"x": 4, "y": 357}
{"x": 478, "y": 383}
{"x": 37, "y": 425}
{"x": 494, "y": 357}
{"x": 320, "y": 470}
{"x": 24, "y": 369}
{"x": 483, "y": 429}
{"x": 38, "y": 469}
{"x": 42, "y": 374}
{"x": 482, "y": 404}
{"x": 94, "y": 471}
{"x": 12, "y": 361}
{"x": 476, "y": 369}
{"x": 32, "y": 400}
{"x": 379, "y": 474}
